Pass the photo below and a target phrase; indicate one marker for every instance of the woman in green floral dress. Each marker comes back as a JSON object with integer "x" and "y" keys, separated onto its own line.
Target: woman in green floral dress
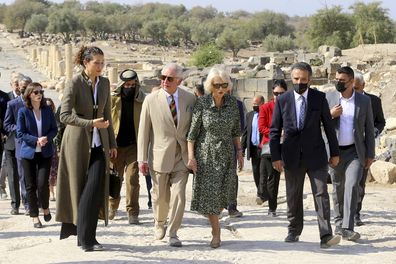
{"x": 214, "y": 133}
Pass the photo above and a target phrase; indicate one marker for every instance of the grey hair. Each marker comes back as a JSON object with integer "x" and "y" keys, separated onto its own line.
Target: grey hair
{"x": 177, "y": 68}
{"x": 214, "y": 72}
{"x": 359, "y": 77}
{"x": 17, "y": 76}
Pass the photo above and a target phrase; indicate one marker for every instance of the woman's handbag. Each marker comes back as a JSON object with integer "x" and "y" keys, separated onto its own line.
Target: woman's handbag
{"x": 114, "y": 184}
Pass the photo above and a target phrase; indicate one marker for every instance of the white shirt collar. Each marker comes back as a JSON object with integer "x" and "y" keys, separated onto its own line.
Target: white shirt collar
{"x": 297, "y": 95}
{"x": 348, "y": 99}
{"x": 175, "y": 94}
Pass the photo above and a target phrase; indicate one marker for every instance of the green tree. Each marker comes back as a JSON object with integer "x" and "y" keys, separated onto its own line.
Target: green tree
{"x": 63, "y": 21}
{"x": 373, "y": 24}
{"x": 234, "y": 40}
{"x": 97, "y": 25}
{"x": 267, "y": 22}
{"x": 20, "y": 11}
{"x": 278, "y": 43}
{"x": 207, "y": 55}
{"x": 155, "y": 30}
{"x": 37, "y": 24}
{"x": 329, "y": 26}
{"x": 206, "y": 31}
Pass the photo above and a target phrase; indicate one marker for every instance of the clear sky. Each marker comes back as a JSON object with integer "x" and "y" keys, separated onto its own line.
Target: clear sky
{"x": 289, "y": 7}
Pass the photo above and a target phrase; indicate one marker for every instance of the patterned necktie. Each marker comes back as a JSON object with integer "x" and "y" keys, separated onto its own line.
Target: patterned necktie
{"x": 301, "y": 117}
{"x": 173, "y": 109}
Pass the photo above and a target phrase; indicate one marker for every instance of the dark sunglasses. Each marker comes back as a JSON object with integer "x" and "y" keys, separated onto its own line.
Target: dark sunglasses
{"x": 36, "y": 92}
{"x": 218, "y": 85}
{"x": 169, "y": 78}
{"x": 278, "y": 93}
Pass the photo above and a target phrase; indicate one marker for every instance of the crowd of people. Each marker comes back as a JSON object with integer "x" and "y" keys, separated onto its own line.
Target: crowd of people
{"x": 172, "y": 132}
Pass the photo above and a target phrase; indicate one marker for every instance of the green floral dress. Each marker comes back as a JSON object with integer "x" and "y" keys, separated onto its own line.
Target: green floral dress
{"x": 213, "y": 130}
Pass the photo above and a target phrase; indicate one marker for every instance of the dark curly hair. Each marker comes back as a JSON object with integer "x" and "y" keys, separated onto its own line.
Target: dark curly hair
{"x": 86, "y": 54}
{"x": 29, "y": 90}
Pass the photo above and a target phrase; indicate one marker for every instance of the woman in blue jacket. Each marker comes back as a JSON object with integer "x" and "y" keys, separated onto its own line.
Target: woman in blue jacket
{"x": 36, "y": 127}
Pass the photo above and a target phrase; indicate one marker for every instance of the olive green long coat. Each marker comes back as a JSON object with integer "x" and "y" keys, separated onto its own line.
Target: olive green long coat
{"x": 77, "y": 112}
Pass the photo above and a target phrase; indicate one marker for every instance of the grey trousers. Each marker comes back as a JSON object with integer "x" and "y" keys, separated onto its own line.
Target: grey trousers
{"x": 294, "y": 196}
{"x": 345, "y": 177}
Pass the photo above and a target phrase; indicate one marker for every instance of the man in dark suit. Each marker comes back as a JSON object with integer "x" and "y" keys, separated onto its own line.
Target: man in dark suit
{"x": 3, "y": 107}
{"x": 250, "y": 142}
{"x": 300, "y": 113}
{"x": 379, "y": 124}
{"x": 12, "y": 145}
{"x": 353, "y": 121}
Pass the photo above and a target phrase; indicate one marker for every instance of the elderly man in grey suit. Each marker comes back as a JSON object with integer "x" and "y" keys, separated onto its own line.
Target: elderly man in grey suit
{"x": 353, "y": 120}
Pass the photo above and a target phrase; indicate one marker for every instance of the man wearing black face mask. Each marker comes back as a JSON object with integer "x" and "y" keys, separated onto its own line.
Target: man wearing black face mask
{"x": 251, "y": 139}
{"x": 353, "y": 119}
{"x": 127, "y": 100}
{"x": 300, "y": 113}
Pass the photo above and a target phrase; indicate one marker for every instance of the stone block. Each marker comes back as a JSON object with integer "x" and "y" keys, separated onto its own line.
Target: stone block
{"x": 390, "y": 123}
{"x": 383, "y": 172}
{"x": 251, "y": 85}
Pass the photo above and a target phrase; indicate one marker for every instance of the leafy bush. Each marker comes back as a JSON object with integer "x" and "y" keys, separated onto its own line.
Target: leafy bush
{"x": 277, "y": 43}
{"x": 207, "y": 55}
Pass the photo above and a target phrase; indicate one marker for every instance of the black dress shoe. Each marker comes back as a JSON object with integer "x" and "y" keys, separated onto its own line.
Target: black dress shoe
{"x": 358, "y": 222}
{"x": 47, "y": 217}
{"x": 37, "y": 225}
{"x": 272, "y": 213}
{"x": 291, "y": 238}
{"x": 338, "y": 230}
{"x": 14, "y": 211}
{"x": 329, "y": 240}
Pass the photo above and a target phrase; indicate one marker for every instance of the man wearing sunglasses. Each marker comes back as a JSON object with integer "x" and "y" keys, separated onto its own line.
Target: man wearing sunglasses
{"x": 126, "y": 101}
{"x": 162, "y": 150}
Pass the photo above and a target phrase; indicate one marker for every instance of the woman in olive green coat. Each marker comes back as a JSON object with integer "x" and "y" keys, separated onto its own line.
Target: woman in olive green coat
{"x": 87, "y": 144}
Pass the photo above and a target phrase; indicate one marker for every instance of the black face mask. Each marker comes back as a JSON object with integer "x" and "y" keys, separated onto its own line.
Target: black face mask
{"x": 340, "y": 86}
{"x": 256, "y": 108}
{"x": 300, "y": 88}
{"x": 128, "y": 92}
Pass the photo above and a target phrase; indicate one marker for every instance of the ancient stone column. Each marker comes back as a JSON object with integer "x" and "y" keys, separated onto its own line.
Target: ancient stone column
{"x": 68, "y": 62}
{"x": 33, "y": 55}
{"x": 112, "y": 74}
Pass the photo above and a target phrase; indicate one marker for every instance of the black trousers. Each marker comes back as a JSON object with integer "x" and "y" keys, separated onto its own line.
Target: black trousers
{"x": 91, "y": 199}
{"x": 294, "y": 195}
{"x": 13, "y": 178}
{"x": 255, "y": 159}
{"x": 269, "y": 183}
{"x": 36, "y": 172}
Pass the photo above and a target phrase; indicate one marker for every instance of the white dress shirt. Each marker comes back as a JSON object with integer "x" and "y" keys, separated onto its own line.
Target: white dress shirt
{"x": 345, "y": 136}
{"x": 39, "y": 130}
{"x": 298, "y": 101}
{"x": 176, "y": 98}
{"x": 95, "y": 135}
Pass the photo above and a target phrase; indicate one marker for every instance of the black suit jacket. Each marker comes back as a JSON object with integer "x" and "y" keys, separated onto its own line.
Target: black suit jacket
{"x": 306, "y": 145}
{"x": 4, "y": 98}
{"x": 378, "y": 113}
{"x": 246, "y": 141}
{"x": 11, "y": 95}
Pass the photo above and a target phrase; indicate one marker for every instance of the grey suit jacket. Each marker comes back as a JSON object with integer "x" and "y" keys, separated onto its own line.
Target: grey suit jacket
{"x": 363, "y": 126}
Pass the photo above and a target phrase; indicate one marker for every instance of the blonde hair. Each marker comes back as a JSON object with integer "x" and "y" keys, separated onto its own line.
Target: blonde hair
{"x": 217, "y": 71}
